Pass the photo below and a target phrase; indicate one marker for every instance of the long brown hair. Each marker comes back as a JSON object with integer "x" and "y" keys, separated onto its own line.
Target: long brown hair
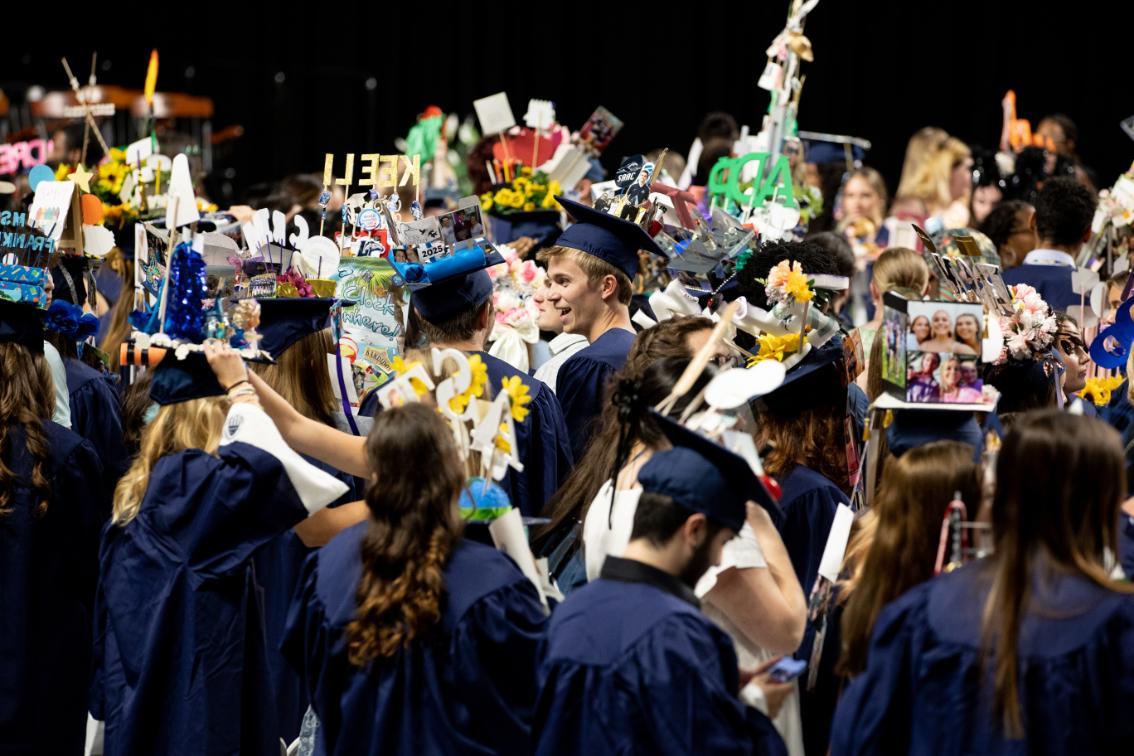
{"x": 915, "y": 491}
{"x": 301, "y": 377}
{"x": 1067, "y": 516}
{"x": 26, "y": 400}
{"x": 414, "y": 526}
{"x": 813, "y": 437}
{"x": 119, "y": 328}
{"x": 624, "y": 419}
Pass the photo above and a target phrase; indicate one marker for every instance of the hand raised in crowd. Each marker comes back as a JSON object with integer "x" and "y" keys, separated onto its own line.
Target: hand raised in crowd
{"x": 226, "y": 363}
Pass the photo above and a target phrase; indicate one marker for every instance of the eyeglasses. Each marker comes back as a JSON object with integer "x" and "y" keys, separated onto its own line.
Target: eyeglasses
{"x": 1070, "y": 344}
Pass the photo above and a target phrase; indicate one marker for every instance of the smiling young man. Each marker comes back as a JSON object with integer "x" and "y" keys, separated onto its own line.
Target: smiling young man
{"x": 456, "y": 313}
{"x": 590, "y": 271}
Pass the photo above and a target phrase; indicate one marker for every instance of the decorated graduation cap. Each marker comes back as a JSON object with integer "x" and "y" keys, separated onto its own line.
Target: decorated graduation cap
{"x": 183, "y": 379}
{"x": 606, "y": 237}
{"x": 21, "y": 323}
{"x": 70, "y": 321}
{"x": 286, "y": 320}
{"x": 703, "y": 476}
{"x": 452, "y": 284}
{"x": 813, "y": 381}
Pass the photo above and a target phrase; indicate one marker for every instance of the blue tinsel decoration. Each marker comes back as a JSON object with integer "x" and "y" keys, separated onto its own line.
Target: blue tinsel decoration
{"x": 184, "y": 314}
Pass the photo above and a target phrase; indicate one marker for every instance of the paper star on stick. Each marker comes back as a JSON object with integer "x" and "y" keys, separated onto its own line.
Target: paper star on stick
{"x": 81, "y": 177}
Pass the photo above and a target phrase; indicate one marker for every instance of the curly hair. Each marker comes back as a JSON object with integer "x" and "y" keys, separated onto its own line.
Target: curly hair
{"x": 414, "y": 526}
{"x": 26, "y": 399}
{"x": 1064, "y": 210}
{"x": 813, "y": 437}
{"x": 999, "y": 225}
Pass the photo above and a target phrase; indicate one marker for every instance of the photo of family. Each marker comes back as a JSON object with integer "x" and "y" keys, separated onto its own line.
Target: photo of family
{"x": 944, "y": 378}
{"x": 943, "y": 327}
{"x": 461, "y": 225}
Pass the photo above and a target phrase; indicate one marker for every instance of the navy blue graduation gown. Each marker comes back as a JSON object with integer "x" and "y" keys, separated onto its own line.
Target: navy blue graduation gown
{"x": 1053, "y": 282}
{"x": 543, "y": 441}
{"x": 96, "y": 415}
{"x": 631, "y": 665}
{"x": 582, "y": 383}
{"x": 467, "y": 686}
{"x": 181, "y": 660}
{"x": 48, "y": 570}
{"x": 808, "y": 503}
{"x": 279, "y": 565}
{"x": 924, "y": 689}
{"x": 1119, "y": 414}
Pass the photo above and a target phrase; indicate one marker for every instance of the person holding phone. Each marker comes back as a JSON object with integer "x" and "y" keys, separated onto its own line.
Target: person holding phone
{"x": 630, "y": 664}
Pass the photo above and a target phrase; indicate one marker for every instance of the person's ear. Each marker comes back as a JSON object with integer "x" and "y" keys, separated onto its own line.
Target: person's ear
{"x": 609, "y": 286}
{"x": 1032, "y": 222}
{"x": 695, "y": 529}
{"x": 874, "y": 290}
{"x": 484, "y": 318}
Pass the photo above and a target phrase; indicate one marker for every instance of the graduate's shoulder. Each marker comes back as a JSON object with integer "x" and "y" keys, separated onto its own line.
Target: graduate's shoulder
{"x": 65, "y": 443}
{"x": 608, "y": 619}
{"x": 500, "y": 369}
{"x": 473, "y": 572}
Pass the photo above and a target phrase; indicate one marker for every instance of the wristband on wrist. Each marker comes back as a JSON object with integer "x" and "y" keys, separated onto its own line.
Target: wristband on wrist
{"x": 242, "y": 380}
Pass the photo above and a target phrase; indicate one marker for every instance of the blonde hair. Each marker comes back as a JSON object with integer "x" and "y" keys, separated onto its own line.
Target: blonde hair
{"x": 301, "y": 377}
{"x": 195, "y": 424}
{"x": 922, "y": 145}
{"x": 593, "y": 268}
{"x": 902, "y": 270}
{"x": 930, "y": 182}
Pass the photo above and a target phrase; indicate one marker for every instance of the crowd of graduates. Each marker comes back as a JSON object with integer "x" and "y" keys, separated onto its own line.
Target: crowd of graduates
{"x": 217, "y": 554}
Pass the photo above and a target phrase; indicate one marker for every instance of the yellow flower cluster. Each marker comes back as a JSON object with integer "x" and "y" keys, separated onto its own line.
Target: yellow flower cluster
{"x": 1098, "y": 389}
{"x": 479, "y": 382}
{"x": 518, "y": 392}
{"x": 524, "y": 194}
{"x": 400, "y": 367}
{"x": 788, "y": 277}
{"x": 775, "y": 348}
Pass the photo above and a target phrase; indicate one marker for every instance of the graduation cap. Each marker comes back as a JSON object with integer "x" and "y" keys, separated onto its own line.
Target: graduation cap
{"x": 606, "y": 237}
{"x": 455, "y": 284}
{"x": 822, "y": 149}
{"x": 703, "y": 476}
{"x": 179, "y": 380}
{"x": 284, "y": 321}
{"x": 911, "y": 428}
{"x": 810, "y": 382}
{"x": 541, "y": 225}
{"x": 21, "y": 323}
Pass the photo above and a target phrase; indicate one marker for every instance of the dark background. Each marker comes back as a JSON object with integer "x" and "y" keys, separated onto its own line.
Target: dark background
{"x": 882, "y": 69}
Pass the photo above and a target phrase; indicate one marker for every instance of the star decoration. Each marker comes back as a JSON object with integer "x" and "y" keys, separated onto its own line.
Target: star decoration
{"x": 81, "y": 177}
